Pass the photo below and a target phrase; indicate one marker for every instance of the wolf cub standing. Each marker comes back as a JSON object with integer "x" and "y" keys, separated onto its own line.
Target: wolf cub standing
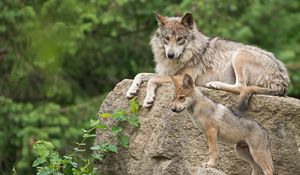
{"x": 251, "y": 139}
{"x": 179, "y": 47}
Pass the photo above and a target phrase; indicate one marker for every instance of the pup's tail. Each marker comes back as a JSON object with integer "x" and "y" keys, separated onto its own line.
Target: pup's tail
{"x": 246, "y": 94}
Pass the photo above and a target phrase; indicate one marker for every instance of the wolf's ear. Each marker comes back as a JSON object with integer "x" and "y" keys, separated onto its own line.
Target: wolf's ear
{"x": 161, "y": 20}
{"x": 187, "y": 20}
{"x": 187, "y": 81}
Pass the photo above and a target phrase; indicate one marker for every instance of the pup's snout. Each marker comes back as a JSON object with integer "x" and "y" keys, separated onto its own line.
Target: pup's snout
{"x": 173, "y": 108}
{"x": 176, "y": 109}
{"x": 171, "y": 54}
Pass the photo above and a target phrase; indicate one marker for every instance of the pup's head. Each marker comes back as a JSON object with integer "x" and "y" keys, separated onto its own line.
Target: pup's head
{"x": 184, "y": 90}
{"x": 174, "y": 33}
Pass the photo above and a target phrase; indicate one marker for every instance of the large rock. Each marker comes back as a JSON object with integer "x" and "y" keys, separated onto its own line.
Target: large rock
{"x": 168, "y": 143}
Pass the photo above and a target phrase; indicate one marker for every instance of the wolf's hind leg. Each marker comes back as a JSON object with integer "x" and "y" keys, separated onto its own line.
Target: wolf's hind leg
{"x": 224, "y": 86}
{"x": 242, "y": 149}
{"x": 138, "y": 79}
{"x": 240, "y": 58}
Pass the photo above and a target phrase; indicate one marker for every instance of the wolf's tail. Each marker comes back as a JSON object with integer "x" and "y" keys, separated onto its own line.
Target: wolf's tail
{"x": 246, "y": 93}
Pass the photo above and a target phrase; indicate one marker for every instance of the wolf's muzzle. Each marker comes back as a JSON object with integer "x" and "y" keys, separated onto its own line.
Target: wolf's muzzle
{"x": 171, "y": 55}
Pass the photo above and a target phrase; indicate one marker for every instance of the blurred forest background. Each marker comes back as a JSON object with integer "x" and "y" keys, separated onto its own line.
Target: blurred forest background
{"x": 59, "y": 58}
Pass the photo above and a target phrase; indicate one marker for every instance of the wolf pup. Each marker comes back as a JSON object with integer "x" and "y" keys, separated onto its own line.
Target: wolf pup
{"x": 179, "y": 48}
{"x": 251, "y": 139}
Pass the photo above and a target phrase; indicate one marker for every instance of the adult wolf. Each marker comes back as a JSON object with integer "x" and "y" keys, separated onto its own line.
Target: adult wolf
{"x": 179, "y": 48}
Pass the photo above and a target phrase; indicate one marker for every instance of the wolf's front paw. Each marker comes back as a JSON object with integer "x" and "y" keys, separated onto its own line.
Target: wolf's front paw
{"x": 213, "y": 85}
{"x": 208, "y": 165}
{"x": 148, "y": 102}
{"x": 132, "y": 92}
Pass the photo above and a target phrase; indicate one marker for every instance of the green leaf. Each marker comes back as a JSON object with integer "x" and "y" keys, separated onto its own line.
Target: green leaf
{"x": 116, "y": 129}
{"x": 14, "y": 171}
{"x": 98, "y": 156}
{"x": 67, "y": 157}
{"x": 112, "y": 148}
{"x": 134, "y": 105}
{"x": 105, "y": 115}
{"x": 123, "y": 140}
{"x": 74, "y": 164}
{"x": 100, "y": 147}
{"x": 134, "y": 121}
{"x": 94, "y": 122}
{"x": 44, "y": 171}
{"x": 43, "y": 148}
{"x": 96, "y": 148}
{"x": 88, "y": 135}
{"x": 38, "y": 161}
{"x": 102, "y": 126}
{"x": 119, "y": 114}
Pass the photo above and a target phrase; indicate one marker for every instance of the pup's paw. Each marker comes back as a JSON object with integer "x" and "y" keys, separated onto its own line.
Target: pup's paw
{"x": 132, "y": 92}
{"x": 148, "y": 102}
{"x": 208, "y": 165}
{"x": 213, "y": 85}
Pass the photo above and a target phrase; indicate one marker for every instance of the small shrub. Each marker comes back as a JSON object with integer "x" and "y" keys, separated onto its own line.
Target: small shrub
{"x": 51, "y": 162}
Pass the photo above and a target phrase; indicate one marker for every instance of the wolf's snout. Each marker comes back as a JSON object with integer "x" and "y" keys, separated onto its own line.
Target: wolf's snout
{"x": 171, "y": 54}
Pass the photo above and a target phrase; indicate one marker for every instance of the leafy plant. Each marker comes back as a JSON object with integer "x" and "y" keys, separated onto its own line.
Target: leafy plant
{"x": 49, "y": 161}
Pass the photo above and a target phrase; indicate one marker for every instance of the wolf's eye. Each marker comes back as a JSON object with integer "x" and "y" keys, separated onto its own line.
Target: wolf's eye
{"x": 167, "y": 38}
{"x": 179, "y": 39}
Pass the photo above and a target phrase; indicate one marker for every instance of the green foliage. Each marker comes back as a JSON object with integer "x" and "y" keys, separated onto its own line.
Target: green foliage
{"x": 24, "y": 123}
{"x": 50, "y": 162}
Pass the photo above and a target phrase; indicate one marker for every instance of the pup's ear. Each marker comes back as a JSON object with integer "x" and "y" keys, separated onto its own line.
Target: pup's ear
{"x": 187, "y": 82}
{"x": 161, "y": 20}
{"x": 187, "y": 20}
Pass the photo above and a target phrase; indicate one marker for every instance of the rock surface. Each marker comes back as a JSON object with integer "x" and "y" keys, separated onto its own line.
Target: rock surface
{"x": 209, "y": 171}
{"x": 168, "y": 143}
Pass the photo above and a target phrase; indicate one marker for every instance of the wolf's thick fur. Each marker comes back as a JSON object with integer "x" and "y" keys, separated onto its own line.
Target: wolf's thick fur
{"x": 251, "y": 139}
{"x": 179, "y": 48}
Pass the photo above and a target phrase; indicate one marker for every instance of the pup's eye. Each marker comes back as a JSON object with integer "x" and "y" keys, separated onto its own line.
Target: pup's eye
{"x": 179, "y": 39}
{"x": 167, "y": 38}
{"x": 181, "y": 97}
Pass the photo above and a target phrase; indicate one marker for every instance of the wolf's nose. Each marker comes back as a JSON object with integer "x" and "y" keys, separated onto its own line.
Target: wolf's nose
{"x": 171, "y": 55}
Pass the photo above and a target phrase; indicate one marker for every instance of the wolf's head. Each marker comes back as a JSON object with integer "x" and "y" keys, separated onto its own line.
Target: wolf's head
{"x": 184, "y": 90}
{"x": 174, "y": 33}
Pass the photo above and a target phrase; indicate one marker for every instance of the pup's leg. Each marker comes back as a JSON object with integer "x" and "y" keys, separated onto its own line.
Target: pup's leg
{"x": 242, "y": 149}
{"x": 138, "y": 79}
{"x": 212, "y": 144}
{"x": 151, "y": 87}
{"x": 262, "y": 156}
